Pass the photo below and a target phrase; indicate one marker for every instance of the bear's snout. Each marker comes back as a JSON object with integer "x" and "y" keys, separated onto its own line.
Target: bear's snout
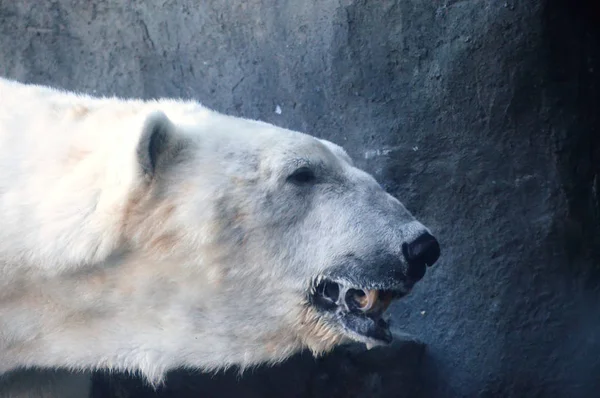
{"x": 357, "y": 293}
{"x": 422, "y": 252}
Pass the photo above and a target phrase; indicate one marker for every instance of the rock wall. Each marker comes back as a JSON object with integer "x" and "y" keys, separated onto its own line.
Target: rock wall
{"x": 482, "y": 116}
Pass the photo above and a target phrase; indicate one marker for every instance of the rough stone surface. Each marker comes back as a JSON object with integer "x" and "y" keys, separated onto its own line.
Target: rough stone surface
{"x": 482, "y": 116}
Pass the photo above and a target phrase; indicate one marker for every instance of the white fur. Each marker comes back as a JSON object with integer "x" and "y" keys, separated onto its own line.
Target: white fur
{"x": 203, "y": 265}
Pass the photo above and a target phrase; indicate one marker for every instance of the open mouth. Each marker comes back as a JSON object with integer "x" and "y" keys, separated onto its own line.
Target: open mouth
{"x": 360, "y": 311}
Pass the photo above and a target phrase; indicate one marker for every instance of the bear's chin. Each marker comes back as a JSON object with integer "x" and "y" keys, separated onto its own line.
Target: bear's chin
{"x": 358, "y": 312}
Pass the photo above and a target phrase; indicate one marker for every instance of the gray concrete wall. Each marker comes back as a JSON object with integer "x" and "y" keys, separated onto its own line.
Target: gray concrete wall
{"x": 480, "y": 115}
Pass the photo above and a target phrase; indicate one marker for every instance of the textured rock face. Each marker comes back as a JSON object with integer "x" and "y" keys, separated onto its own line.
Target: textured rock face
{"x": 482, "y": 116}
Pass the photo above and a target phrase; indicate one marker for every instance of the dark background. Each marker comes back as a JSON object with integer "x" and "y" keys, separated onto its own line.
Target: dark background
{"x": 481, "y": 116}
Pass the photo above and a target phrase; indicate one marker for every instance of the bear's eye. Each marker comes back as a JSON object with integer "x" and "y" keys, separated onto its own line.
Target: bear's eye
{"x": 303, "y": 175}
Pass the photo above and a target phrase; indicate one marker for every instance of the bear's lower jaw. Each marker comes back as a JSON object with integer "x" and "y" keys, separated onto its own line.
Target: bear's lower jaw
{"x": 357, "y": 311}
{"x": 366, "y": 329}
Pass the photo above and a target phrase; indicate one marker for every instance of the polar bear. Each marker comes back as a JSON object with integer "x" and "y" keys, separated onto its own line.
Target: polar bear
{"x": 147, "y": 235}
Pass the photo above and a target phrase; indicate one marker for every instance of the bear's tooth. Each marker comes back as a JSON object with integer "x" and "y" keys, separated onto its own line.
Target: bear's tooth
{"x": 367, "y": 301}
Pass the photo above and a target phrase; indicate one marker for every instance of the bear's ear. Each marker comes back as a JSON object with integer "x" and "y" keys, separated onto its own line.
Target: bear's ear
{"x": 158, "y": 144}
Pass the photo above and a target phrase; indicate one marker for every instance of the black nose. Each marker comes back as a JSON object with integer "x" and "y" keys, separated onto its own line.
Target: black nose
{"x": 420, "y": 253}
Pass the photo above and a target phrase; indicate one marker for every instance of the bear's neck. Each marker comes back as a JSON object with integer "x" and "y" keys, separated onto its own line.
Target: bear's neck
{"x": 136, "y": 315}
{"x": 63, "y": 210}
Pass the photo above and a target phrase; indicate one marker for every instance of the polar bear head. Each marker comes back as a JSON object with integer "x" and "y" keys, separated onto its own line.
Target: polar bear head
{"x": 274, "y": 237}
